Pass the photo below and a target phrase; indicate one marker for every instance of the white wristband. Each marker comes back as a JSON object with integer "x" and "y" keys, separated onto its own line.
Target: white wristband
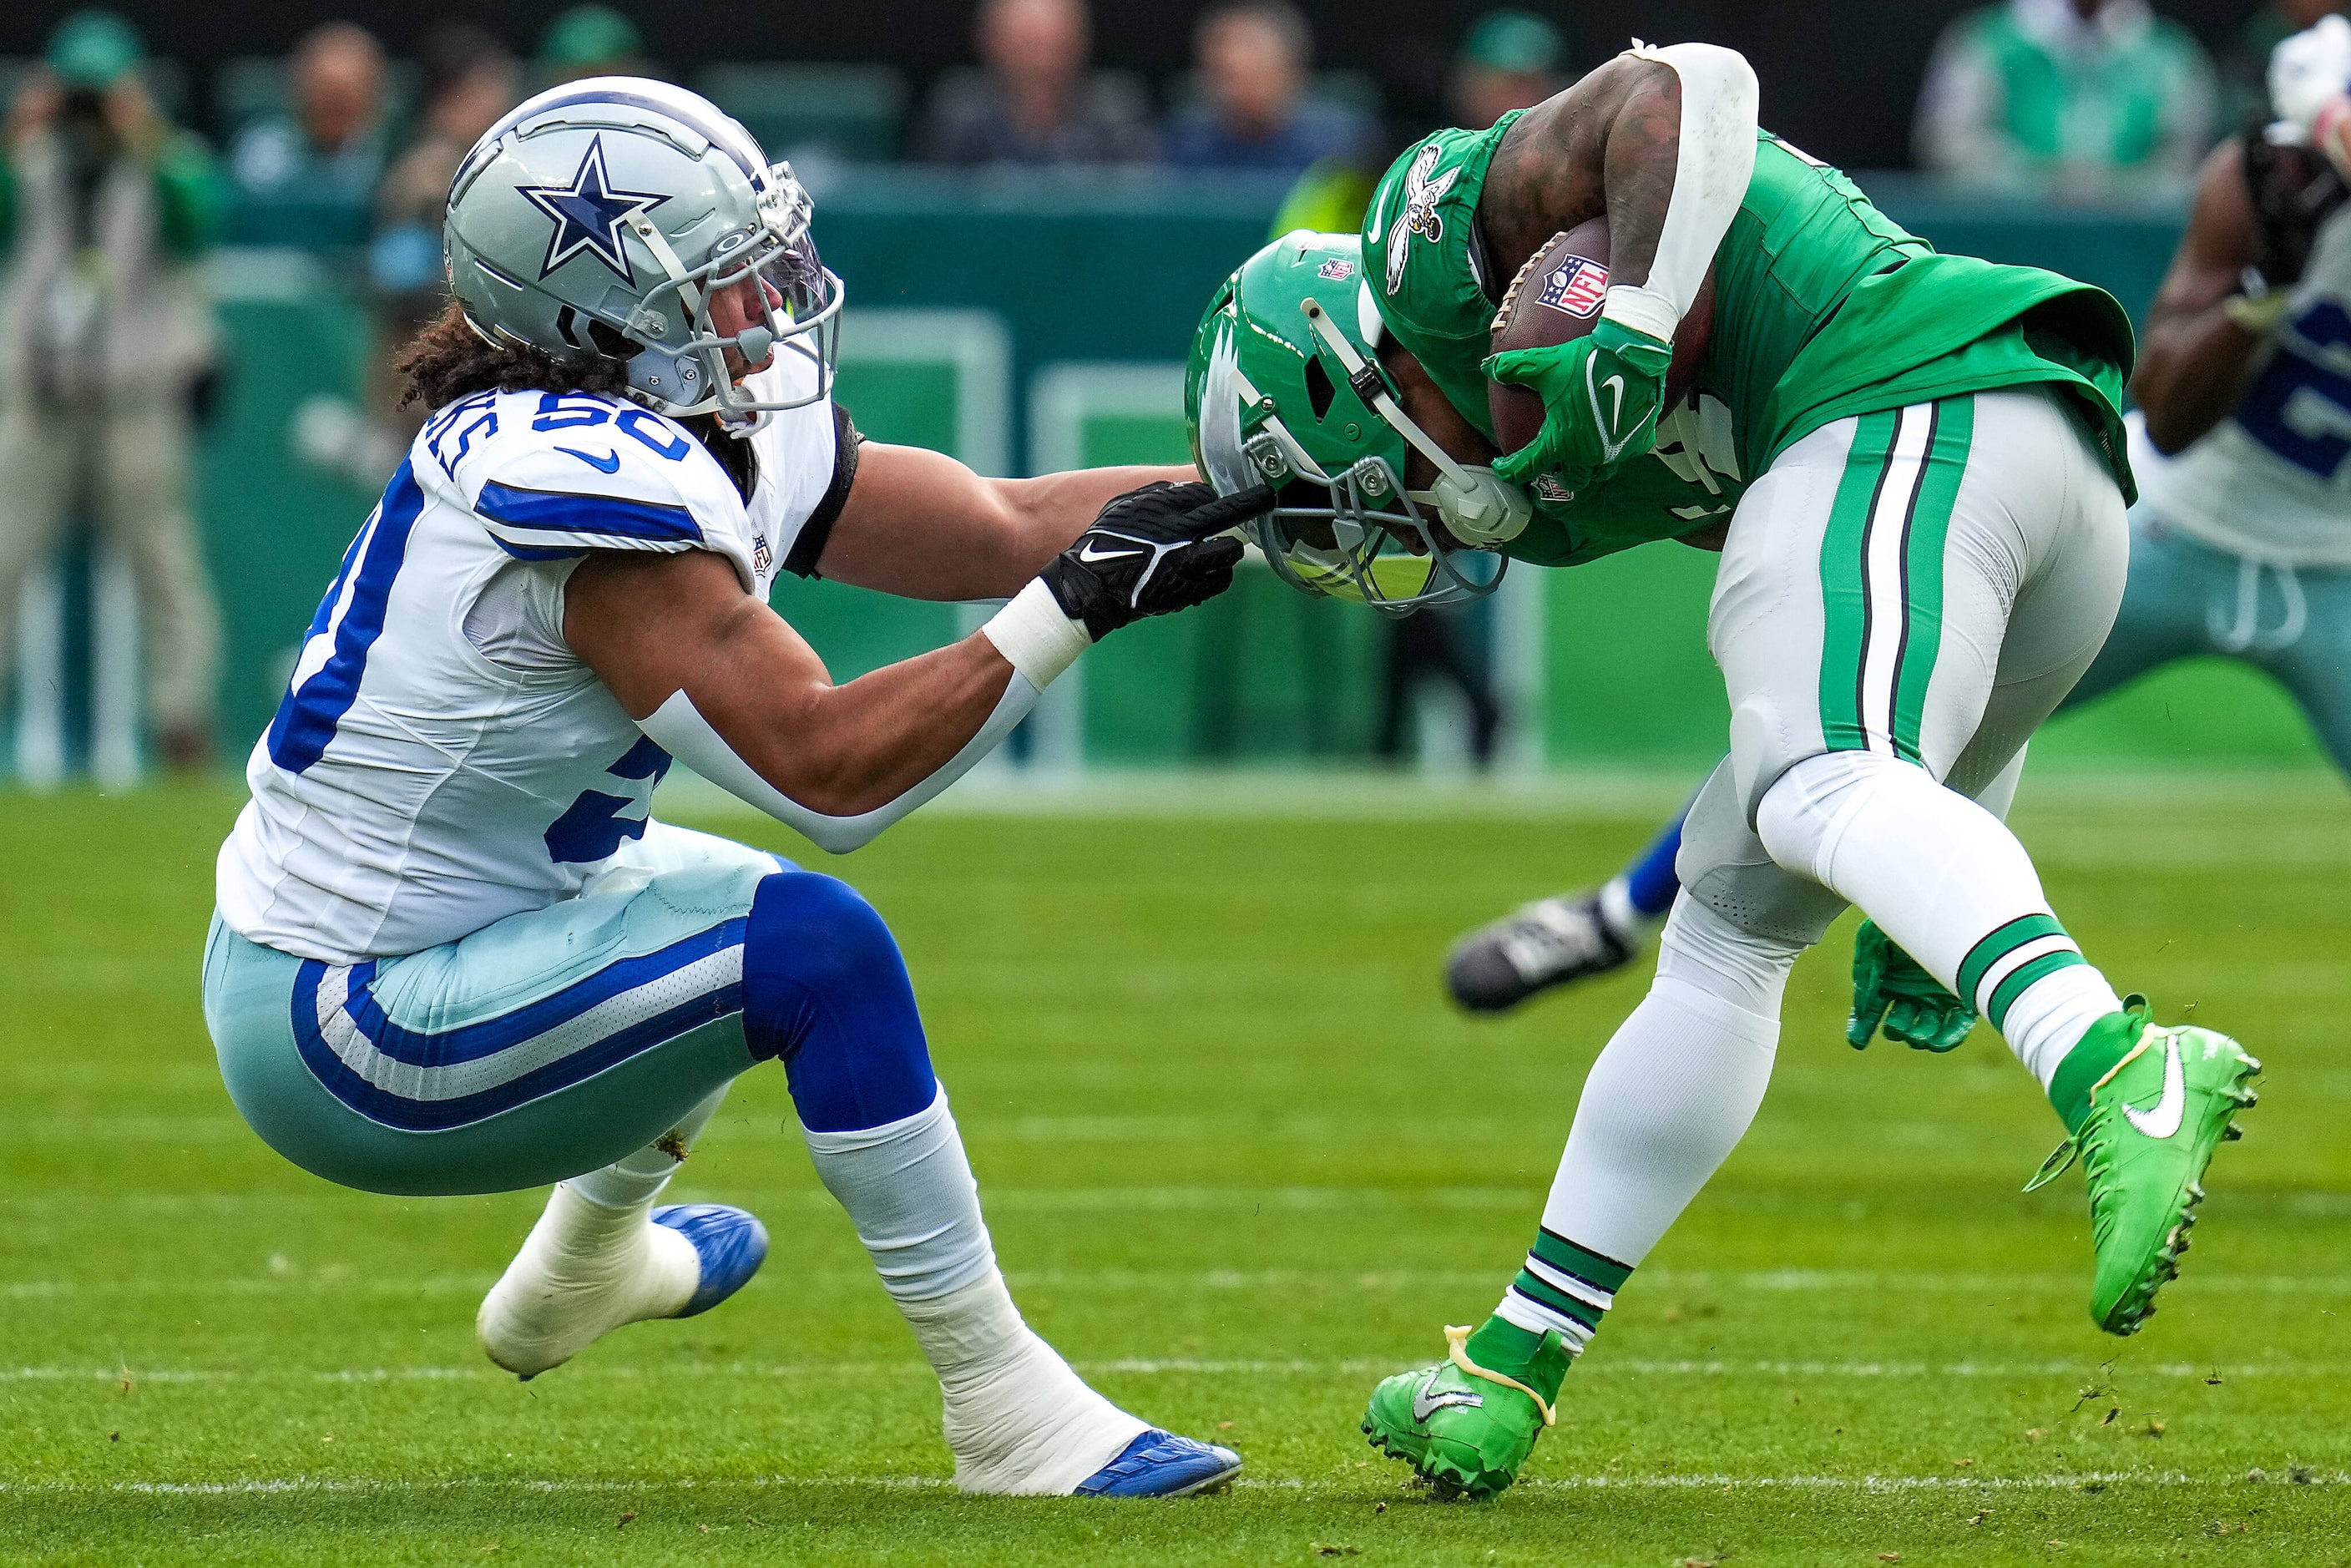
{"x": 1641, "y": 308}
{"x": 1034, "y": 636}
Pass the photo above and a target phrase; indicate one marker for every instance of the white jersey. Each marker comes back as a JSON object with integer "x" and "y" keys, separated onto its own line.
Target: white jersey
{"x": 441, "y": 760}
{"x": 2273, "y": 480}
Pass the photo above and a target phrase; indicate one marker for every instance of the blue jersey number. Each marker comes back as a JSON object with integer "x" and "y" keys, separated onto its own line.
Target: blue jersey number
{"x": 351, "y": 615}
{"x": 592, "y": 828}
{"x": 2299, "y": 406}
{"x": 578, "y": 412}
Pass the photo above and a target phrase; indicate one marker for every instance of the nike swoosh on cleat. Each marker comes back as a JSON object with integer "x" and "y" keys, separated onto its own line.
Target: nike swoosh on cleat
{"x": 1424, "y": 1403}
{"x": 608, "y": 464}
{"x": 2164, "y": 1120}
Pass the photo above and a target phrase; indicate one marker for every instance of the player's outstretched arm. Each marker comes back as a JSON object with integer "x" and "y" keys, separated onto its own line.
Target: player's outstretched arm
{"x": 720, "y": 681}
{"x": 2202, "y": 333}
{"x": 920, "y": 524}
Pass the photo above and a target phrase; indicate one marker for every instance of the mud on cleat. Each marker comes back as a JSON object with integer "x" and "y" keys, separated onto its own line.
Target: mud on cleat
{"x": 2153, "y": 1124}
{"x": 1466, "y": 1424}
{"x": 1550, "y": 942}
{"x": 729, "y": 1243}
{"x": 1161, "y": 1464}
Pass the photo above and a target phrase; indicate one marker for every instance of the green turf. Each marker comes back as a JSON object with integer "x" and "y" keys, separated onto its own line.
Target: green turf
{"x": 1222, "y": 1127}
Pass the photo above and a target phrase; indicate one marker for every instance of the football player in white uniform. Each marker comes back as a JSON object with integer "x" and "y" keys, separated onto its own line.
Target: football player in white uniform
{"x": 452, "y": 953}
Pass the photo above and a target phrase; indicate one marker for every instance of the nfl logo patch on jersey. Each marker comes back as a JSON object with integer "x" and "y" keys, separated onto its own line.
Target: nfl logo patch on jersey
{"x": 762, "y": 558}
{"x": 1576, "y": 286}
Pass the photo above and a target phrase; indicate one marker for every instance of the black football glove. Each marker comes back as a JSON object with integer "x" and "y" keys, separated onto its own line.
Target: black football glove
{"x": 2292, "y": 191}
{"x": 1150, "y": 552}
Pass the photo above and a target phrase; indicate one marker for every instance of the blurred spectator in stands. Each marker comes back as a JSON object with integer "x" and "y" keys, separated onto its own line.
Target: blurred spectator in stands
{"x": 331, "y": 147}
{"x": 470, "y": 79}
{"x": 2245, "y": 69}
{"x": 104, "y": 329}
{"x": 1511, "y": 59}
{"x": 2079, "y": 100}
{"x": 589, "y": 41}
{"x": 1034, "y": 101}
{"x": 1253, "y": 56}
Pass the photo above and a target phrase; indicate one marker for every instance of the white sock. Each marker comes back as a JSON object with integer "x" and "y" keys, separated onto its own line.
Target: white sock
{"x": 1625, "y": 923}
{"x": 1949, "y": 882}
{"x": 594, "y": 1262}
{"x": 1676, "y": 1088}
{"x": 638, "y": 1179}
{"x": 1016, "y": 1419}
{"x": 585, "y": 1269}
{"x": 2050, "y": 1018}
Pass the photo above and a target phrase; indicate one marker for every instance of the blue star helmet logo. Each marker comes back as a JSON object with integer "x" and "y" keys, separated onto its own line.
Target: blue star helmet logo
{"x": 590, "y": 214}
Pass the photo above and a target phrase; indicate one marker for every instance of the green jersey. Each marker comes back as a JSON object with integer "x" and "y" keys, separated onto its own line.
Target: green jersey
{"x": 1824, "y": 307}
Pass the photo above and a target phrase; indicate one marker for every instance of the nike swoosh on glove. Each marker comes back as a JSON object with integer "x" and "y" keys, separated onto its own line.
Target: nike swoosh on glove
{"x": 1602, "y": 395}
{"x": 1889, "y": 988}
{"x": 1152, "y": 552}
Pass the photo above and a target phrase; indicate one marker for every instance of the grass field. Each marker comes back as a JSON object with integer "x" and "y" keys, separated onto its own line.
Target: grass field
{"x": 1239, "y": 1166}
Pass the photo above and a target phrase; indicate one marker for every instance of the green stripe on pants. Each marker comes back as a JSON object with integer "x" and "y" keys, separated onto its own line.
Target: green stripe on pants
{"x": 1999, "y": 944}
{"x": 1845, "y": 597}
{"x": 1953, "y": 432}
{"x": 2005, "y": 995}
{"x": 1592, "y": 1267}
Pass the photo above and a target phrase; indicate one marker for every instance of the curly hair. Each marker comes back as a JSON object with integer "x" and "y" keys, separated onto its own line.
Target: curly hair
{"x": 448, "y": 360}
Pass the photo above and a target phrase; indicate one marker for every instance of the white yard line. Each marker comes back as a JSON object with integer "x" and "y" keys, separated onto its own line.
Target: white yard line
{"x": 301, "y": 1484}
{"x": 334, "y": 1280}
{"x": 1599, "y": 1366}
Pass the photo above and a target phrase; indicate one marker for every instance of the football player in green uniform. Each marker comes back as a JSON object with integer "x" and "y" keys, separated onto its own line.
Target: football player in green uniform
{"x": 1923, "y": 463}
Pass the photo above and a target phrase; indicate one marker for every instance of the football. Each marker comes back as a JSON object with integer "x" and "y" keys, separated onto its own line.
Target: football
{"x": 1556, "y": 299}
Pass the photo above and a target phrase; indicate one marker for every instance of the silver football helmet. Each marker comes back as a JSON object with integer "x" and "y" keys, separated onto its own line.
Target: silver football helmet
{"x": 600, "y": 217}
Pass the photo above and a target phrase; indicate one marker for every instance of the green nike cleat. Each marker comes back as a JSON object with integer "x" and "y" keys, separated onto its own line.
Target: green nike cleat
{"x": 1466, "y": 1428}
{"x": 2152, "y": 1124}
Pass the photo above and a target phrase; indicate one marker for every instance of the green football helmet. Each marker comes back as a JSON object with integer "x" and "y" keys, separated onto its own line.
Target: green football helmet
{"x": 1285, "y": 389}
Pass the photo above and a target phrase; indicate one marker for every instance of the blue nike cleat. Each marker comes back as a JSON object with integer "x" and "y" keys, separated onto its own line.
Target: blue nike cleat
{"x": 730, "y": 1242}
{"x": 1160, "y": 1464}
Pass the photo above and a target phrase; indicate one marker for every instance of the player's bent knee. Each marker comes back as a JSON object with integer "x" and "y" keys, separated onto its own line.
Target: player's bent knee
{"x": 825, "y": 990}
{"x": 1704, "y": 949}
{"x": 1798, "y": 817}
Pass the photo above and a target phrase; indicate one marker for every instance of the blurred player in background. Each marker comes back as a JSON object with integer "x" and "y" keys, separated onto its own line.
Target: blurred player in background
{"x": 1925, "y": 553}
{"x": 104, "y": 332}
{"x": 2239, "y": 545}
{"x": 453, "y": 953}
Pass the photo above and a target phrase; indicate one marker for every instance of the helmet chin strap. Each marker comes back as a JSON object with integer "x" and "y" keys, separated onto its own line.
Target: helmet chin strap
{"x": 1477, "y": 507}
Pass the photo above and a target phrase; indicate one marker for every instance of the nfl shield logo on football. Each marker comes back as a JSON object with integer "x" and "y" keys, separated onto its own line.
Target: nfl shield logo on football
{"x": 1336, "y": 271}
{"x": 1576, "y": 286}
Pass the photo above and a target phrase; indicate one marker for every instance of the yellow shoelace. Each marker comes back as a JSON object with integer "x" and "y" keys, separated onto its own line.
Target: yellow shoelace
{"x": 1456, "y": 1341}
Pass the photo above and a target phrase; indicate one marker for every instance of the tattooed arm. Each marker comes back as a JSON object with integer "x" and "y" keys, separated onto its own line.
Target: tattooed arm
{"x": 1663, "y": 141}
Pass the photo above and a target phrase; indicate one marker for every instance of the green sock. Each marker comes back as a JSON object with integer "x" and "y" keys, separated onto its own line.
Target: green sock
{"x": 2107, "y": 1042}
{"x": 1501, "y": 1346}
